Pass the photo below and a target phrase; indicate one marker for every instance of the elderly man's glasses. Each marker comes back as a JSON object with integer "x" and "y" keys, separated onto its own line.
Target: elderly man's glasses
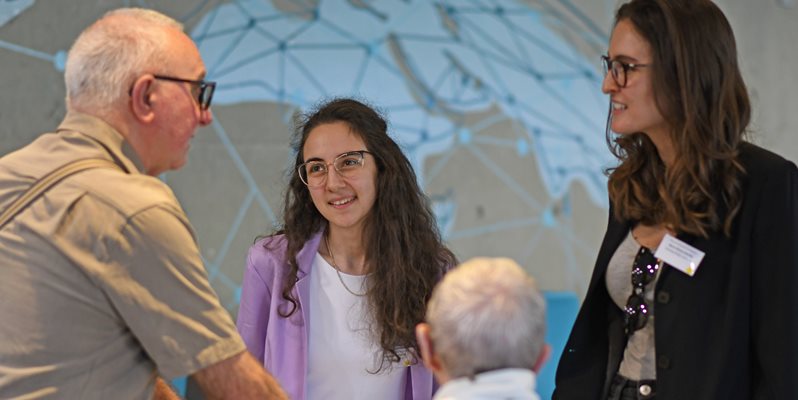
{"x": 202, "y": 90}
{"x": 314, "y": 173}
{"x": 619, "y": 69}
{"x": 644, "y": 270}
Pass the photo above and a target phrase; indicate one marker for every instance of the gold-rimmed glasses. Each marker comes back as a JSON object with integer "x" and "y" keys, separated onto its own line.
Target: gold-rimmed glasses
{"x": 313, "y": 173}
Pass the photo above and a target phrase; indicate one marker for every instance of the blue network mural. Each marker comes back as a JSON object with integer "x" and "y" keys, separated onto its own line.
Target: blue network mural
{"x": 428, "y": 64}
{"x": 11, "y": 8}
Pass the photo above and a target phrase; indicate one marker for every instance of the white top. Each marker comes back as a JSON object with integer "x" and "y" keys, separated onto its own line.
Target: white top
{"x": 501, "y": 384}
{"x": 341, "y": 350}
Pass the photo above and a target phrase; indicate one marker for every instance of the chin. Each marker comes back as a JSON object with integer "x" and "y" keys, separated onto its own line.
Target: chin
{"x": 179, "y": 164}
{"x": 623, "y": 130}
{"x": 344, "y": 224}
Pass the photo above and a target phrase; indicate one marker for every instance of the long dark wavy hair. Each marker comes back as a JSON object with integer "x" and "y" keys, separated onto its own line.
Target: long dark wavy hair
{"x": 405, "y": 255}
{"x": 701, "y": 94}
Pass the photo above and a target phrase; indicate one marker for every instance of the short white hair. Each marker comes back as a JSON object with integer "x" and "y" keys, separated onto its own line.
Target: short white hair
{"x": 108, "y": 55}
{"x": 486, "y": 314}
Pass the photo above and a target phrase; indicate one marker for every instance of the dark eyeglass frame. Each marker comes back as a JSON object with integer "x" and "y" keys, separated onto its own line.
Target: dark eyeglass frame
{"x": 334, "y": 163}
{"x": 644, "y": 270}
{"x": 609, "y": 65}
{"x": 206, "y": 89}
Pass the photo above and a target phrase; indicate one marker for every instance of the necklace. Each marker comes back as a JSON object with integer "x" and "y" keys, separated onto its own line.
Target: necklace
{"x": 338, "y": 271}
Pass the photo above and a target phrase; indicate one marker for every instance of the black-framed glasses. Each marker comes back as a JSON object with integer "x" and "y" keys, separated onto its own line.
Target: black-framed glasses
{"x": 619, "y": 69}
{"x": 314, "y": 173}
{"x": 202, "y": 90}
{"x": 644, "y": 270}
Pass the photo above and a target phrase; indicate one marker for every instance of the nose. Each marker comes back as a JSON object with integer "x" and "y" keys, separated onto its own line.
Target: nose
{"x": 206, "y": 117}
{"x": 608, "y": 85}
{"x": 334, "y": 179}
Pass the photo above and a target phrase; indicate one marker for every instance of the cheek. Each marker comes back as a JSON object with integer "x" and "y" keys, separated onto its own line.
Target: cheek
{"x": 371, "y": 181}
{"x": 649, "y": 99}
{"x": 651, "y": 112}
{"x": 370, "y": 189}
{"x": 181, "y": 139}
{"x": 316, "y": 197}
{"x": 366, "y": 185}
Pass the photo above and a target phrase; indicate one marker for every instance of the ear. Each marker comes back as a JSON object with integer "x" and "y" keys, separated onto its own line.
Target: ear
{"x": 141, "y": 99}
{"x": 544, "y": 355}
{"x": 425, "y": 347}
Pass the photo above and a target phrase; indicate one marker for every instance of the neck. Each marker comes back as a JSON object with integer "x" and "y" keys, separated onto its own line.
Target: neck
{"x": 663, "y": 141}
{"x": 109, "y": 115}
{"x": 441, "y": 375}
{"x": 140, "y": 140}
{"x": 126, "y": 126}
{"x": 346, "y": 247}
{"x": 650, "y": 236}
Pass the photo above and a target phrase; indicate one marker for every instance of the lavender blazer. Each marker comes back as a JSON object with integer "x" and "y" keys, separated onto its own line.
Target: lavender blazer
{"x": 281, "y": 343}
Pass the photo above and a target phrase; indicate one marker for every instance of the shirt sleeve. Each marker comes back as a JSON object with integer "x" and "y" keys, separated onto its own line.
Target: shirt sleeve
{"x": 157, "y": 283}
{"x": 254, "y": 310}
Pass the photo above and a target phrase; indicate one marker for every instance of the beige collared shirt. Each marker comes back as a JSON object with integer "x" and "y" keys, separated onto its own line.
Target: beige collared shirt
{"x": 101, "y": 282}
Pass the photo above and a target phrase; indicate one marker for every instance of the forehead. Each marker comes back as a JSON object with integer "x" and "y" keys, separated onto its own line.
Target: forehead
{"x": 627, "y": 44}
{"x": 183, "y": 54}
{"x": 327, "y": 141}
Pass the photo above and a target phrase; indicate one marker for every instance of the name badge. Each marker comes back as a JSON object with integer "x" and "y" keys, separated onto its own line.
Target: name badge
{"x": 679, "y": 254}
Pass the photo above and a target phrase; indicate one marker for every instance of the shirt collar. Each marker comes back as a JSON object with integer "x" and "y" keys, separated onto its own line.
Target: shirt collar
{"x": 106, "y": 135}
{"x": 509, "y": 383}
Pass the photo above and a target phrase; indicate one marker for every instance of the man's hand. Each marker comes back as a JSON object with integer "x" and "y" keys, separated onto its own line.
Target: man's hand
{"x": 163, "y": 391}
{"x": 238, "y": 377}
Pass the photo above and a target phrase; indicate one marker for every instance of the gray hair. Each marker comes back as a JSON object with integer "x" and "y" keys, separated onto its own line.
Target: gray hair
{"x": 486, "y": 314}
{"x": 108, "y": 55}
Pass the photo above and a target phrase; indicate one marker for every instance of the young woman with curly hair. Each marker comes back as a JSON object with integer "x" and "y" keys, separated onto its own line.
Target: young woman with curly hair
{"x": 330, "y": 302}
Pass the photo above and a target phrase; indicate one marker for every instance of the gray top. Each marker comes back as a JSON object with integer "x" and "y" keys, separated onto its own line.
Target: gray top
{"x": 101, "y": 283}
{"x": 639, "y": 357}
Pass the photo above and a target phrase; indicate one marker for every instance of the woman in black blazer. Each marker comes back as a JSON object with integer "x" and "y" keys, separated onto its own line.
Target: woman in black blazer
{"x": 653, "y": 325}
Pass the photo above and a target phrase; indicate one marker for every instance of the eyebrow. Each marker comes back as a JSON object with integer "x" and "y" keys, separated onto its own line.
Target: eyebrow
{"x": 344, "y": 153}
{"x": 623, "y": 58}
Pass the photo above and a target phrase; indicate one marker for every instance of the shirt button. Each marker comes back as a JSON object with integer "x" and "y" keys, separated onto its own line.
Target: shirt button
{"x": 645, "y": 390}
{"x": 663, "y": 362}
{"x": 663, "y": 297}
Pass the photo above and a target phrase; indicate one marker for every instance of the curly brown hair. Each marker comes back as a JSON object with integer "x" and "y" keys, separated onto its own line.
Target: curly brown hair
{"x": 701, "y": 94}
{"x": 405, "y": 254}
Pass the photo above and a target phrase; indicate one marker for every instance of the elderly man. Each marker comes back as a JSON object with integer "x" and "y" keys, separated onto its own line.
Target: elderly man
{"x": 101, "y": 285}
{"x": 483, "y": 338}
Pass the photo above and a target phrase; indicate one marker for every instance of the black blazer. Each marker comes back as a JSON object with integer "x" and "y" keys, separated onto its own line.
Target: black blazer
{"x": 730, "y": 331}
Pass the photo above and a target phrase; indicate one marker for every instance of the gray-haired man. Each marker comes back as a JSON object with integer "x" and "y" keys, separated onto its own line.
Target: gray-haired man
{"x": 102, "y": 289}
{"x": 484, "y": 334}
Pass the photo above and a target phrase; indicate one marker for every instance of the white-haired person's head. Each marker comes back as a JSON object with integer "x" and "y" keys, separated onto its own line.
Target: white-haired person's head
{"x": 138, "y": 72}
{"x": 111, "y": 53}
{"x": 487, "y": 314}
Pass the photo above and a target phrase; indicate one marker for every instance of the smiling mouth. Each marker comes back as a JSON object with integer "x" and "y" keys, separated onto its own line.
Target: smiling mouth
{"x": 618, "y": 106}
{"x": 343, "y": 201}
